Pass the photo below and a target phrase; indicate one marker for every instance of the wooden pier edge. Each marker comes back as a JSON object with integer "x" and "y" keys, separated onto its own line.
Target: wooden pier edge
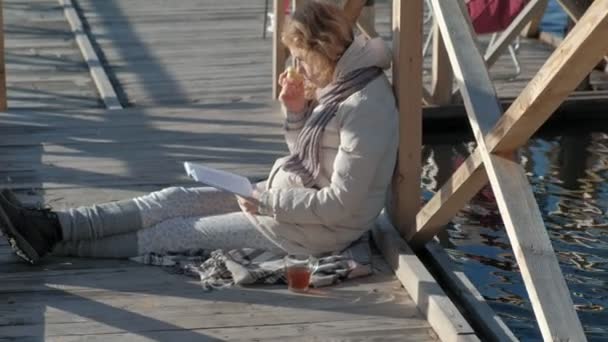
{"x": 431, "y": 300}
{"x": 98, "y": 73}
{"x": 480, "y": 314}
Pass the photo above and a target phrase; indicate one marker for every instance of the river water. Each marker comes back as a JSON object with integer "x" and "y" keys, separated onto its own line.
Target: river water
{"x": 568, "y": 172}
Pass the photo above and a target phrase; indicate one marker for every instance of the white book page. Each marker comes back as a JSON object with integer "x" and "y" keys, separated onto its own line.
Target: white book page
{"x": 222, "y": 180}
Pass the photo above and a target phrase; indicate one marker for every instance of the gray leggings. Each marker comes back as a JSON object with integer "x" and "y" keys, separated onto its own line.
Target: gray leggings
{"x": 170, "y": 220}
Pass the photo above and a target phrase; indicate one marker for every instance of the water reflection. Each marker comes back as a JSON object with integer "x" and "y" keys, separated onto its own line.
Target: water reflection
{"x": 568, "y": 173}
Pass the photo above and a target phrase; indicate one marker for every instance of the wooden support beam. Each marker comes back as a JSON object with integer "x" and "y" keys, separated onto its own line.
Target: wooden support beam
{"x": 479, "y": 96}
{"x": 523, "y": 18}
{"x": 442, "y": 71}
{"x": 554, "y": 81}
{"x": 3, "y": 95}
{"x": 540, "y": 270}
{"x": 435, "y": 305}
{"x": 532, "y": 29}
{"x": 279, "y": 51}
{"x": 407, "y": 83}
{"x": 538, "y": 265}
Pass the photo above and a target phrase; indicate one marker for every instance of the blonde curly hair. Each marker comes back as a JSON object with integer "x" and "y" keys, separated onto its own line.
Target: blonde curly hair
{"x": 321, "y": 30}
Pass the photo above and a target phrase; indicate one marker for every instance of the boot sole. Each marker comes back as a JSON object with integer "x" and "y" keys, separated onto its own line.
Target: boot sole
{"x": 19, "y": 245}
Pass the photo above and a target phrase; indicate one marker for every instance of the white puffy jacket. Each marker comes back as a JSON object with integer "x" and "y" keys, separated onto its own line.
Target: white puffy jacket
{"x": 358, "y": 155}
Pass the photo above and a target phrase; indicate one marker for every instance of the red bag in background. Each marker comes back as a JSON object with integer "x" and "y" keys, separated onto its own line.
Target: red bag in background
{"x": 489, "y": 16}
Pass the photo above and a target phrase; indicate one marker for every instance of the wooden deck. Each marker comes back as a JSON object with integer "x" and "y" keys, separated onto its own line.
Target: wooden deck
{"x": 209, "y": 52}
{"x": 103, "y": 300}
{"x": 199, "y": 52}
{"x": 79, "y": 157}
{"x": 199, "y": 75}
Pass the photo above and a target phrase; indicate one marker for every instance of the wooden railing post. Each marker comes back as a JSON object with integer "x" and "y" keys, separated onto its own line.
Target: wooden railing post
{"x": 3, "y": 99}
{"x": 407, "y": 83}
{"x": 441, "y": 86}
{"x": 279, "y": 51}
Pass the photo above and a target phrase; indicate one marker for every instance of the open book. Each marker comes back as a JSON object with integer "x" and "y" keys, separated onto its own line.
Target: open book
{"x": 219, "y": 179}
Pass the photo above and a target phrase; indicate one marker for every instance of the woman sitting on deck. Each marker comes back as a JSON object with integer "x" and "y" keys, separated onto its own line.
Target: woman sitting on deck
{"x": 343, "y": 139}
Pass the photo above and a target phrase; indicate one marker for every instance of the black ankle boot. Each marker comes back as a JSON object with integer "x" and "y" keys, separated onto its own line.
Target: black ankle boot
{"x": 31, "y": 232}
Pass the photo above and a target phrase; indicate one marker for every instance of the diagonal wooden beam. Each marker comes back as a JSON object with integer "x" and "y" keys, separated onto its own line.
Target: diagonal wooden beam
{"x": 540, "y": 270}
{"x": 466, "y": 181}
{"x": 565, "y": 68}
{"x": 538, "y": 265}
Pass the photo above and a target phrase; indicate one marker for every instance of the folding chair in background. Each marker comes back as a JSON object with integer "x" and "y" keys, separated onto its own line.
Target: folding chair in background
{"x": 505, "y": 17}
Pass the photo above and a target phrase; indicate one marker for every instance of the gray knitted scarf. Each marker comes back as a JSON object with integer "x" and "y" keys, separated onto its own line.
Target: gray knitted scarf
{"x": 304, "y": 160}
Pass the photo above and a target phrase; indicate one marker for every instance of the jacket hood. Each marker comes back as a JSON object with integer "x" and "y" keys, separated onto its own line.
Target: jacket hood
{"x": 363, "y": 53}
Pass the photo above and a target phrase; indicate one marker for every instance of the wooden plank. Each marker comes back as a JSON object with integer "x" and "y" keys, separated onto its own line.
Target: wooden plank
{"x": 557, "y": 319}
{"x": 128, "y": 300}
{"x": 502, "y": 42}
{"x": 538, "y": 265}
{"x": 563, "y": 71}
{"x": 279, "y": 51}
{"x": 434, "y": 304}
{"x": 407, "y": 83}
{"x": 532, "y": 29}
{"x": 3, "y": 95}
{"x": 475, "y": 85}
{"x": 442, "y": 71}
{"x": 98, "y": 73}
{"x": 477, "y": 309}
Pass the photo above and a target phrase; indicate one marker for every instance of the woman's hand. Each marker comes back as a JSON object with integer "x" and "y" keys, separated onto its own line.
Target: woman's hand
{"x": 292, "y": 93}
{"x": 249, "y": 205}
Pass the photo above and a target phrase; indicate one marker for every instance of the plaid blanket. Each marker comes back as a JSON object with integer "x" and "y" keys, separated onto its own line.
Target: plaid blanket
{"x": 220, "y": 269}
